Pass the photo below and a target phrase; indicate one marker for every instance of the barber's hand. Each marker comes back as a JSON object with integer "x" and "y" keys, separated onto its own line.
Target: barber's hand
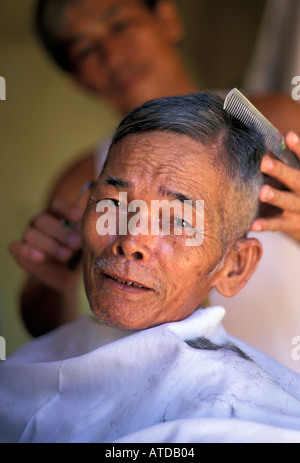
{"x": 48, "y": 246}
{"x": 288, "y": 221}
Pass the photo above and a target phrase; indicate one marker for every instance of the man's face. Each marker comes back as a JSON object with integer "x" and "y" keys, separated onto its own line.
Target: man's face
{"x": 173, "y": 279}
{"x": 121, "y": 50}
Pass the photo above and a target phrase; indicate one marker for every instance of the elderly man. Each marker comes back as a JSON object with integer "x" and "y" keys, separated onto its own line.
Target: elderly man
{"x": 125, "y": 51}
{"x": 154, "y": 365}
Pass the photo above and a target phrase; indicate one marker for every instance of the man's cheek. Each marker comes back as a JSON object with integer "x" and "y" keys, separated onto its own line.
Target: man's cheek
{"x": 91, "y": 238}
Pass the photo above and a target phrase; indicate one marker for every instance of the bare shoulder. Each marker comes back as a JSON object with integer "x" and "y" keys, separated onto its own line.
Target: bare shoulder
{"x": 280, "y": 109}
{"x": 74, "y": 177}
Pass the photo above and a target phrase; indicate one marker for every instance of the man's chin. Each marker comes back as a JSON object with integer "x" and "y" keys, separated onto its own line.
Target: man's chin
{"x": 120, "y": 320}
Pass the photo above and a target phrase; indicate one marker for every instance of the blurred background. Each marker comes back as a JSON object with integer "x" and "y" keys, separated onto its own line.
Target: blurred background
{"x": 46, "y": 119}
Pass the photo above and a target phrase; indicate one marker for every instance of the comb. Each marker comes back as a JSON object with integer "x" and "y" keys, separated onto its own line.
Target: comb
{"x": 238, "y": 106}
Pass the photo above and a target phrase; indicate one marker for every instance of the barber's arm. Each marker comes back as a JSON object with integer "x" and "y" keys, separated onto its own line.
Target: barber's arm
{"x": 48, "y": 246}
{"x": 288, "y": 221}
{"x": 49, "y": 298}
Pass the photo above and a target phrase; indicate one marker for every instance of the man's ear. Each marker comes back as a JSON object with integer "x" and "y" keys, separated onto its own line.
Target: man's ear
{"x": 240, "y": 263}
{"x": 168, "y": 15}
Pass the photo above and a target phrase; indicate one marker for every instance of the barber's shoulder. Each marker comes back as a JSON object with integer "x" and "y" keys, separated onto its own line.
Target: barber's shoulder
{"x": 74, "y": 177}
{"x": 280, "y": 109}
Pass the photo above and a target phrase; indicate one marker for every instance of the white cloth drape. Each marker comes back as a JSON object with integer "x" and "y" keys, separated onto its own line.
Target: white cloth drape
{"x": 89, "y": 383}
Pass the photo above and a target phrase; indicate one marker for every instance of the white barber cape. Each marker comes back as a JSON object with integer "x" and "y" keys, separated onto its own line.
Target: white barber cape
{"x": 88, "y": 383}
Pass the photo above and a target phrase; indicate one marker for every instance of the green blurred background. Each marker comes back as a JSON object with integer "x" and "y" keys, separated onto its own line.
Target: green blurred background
{"x": 46, "y": 120}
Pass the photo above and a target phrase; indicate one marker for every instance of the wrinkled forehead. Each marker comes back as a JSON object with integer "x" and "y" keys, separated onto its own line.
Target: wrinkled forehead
{"x": 158, "y": 149}
{"x": 160, "y": 157}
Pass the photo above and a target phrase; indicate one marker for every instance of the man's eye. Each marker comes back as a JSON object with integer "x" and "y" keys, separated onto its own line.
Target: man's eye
{"x": 109, "y": 201}
{"x": 121, "y": 206}
{"x": 116, "y": 202}
{"x": 182, "y": 223}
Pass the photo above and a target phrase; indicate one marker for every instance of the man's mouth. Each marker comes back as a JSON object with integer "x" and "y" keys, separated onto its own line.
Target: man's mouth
{"x": 127, "y": 283}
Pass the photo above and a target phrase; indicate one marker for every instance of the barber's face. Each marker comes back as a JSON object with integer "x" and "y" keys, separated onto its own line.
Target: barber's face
{"x": 122, "y": 50}
{"x": 139, "y": 281}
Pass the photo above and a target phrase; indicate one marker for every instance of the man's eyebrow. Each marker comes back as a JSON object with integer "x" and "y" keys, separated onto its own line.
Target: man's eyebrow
{"x": 174, "y": 195}
{"x": 118, "y": 183}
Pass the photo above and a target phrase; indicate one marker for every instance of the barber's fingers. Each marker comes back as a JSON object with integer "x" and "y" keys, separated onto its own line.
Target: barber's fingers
{"x": 46, "y": 244}
{"x": 64, "y": 209}
{"x": 285, "y": 200}
{"x": 48, "y": 235}
{"x": 25, "y": 252}
{"x": 293, "y": 142}
{"x": 288, "y": 223}
{"x": 54, "y": 228}
{"x": 49, "y": 272}
{"x": 286, "y": 175}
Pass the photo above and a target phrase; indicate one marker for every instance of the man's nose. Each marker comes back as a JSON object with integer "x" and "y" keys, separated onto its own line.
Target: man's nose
{"x": 134, "y": 247}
